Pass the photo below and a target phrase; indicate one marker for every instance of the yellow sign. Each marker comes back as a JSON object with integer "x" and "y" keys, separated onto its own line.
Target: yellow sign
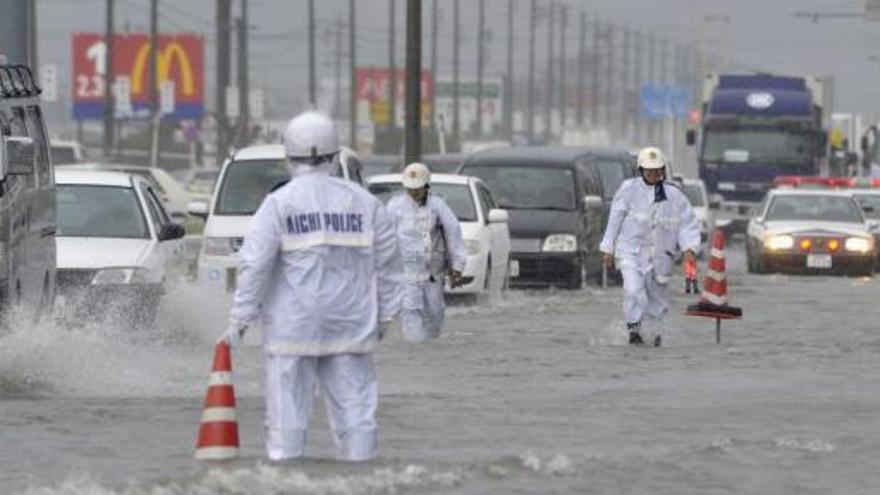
{"x": 379, "y": 112}
{"x": 172, "y": 51}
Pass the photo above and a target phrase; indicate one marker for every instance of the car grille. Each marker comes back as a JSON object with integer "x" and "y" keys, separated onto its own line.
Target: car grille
{"x": 71, "y": 278}
{"x": 525, "y": 245}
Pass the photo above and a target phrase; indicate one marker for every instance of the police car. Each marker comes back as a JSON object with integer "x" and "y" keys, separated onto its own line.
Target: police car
{"x": 483, "y": 227}
{"x": 810, "y": 231}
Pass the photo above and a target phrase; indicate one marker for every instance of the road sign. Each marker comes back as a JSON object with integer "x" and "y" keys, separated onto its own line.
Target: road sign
{"x": 122, "y": 95}
{"x": 166, "y": 97}
{"x": 232, "y": 106}
{"x": 256, "y": 103}
{"x": 372, "y": 87}
{"x": 180, "y": 59}
{"x": 49, "y": 82}
{"x": 659, "y": 102}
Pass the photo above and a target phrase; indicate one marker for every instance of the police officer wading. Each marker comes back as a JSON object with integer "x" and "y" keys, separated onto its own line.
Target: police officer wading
{"x": 431, "y": 246}
{"x": 320, "y": 272}
{"x": 650, "y": 220}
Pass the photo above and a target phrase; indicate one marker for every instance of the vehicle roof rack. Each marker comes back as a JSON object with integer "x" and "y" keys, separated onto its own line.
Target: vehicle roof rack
{"x": 17, "y": 81}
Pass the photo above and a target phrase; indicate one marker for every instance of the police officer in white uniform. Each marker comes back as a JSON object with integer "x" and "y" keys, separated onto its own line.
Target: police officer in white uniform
{"x": 650, "y": 220}
{"x": 320, "y": 272}
{"x": 431, "y": 245}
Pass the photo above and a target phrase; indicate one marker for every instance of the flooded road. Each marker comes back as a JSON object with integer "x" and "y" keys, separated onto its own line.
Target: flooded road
{"x": 535, "y": 393}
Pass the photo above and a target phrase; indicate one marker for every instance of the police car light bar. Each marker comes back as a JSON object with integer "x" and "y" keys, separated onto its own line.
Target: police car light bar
{"x": 17, "y": 81}
{"x": 829, "y": 182}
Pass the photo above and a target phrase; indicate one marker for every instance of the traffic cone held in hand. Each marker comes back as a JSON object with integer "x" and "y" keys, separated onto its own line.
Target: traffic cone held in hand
{"x": 218, "y": 433}
{"x": 713, "y": 300}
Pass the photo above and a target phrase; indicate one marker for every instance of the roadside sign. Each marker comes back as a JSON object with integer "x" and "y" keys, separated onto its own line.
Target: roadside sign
{"x": 122, "y": 94}
{"x": 49, "y": 82}
{"x": 232, "y": 109}
{"x": 659, "y": 102}
{"x": 256, "y": 103}
{"x": 166, "y": 97}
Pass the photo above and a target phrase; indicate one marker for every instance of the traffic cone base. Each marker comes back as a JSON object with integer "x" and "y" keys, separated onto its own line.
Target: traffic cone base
{"x": 713, "y": 297}
{"x": 218, "y": 432}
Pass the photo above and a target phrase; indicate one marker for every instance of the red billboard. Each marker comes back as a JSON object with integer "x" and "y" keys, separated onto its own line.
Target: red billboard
{"x": 373, "y": 87}
{"x": 180, "y": 67}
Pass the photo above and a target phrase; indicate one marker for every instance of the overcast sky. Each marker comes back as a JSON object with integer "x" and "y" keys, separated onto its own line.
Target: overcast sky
{"x": 758, "y": 33}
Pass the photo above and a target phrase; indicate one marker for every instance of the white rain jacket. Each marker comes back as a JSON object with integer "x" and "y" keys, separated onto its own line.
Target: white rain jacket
{"x": 430, "y": 238}
{"x": 319, "y": 269}
{"x": 650, "y": 234}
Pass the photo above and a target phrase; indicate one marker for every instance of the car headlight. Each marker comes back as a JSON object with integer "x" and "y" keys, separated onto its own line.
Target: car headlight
{"x": 565, "y": 243}
{"x": 218, "y": 246}
{"x": 472, "y": 246}
{"x": 776, "y": 242}
{"x": 859, "y": 244}
{"x": 111, "y": 276}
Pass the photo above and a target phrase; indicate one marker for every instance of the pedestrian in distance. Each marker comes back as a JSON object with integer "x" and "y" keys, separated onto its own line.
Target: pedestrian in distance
{"x": 320, "y": 272}
{"x": 432, "y": 247}
{"x": 650, "y": 219}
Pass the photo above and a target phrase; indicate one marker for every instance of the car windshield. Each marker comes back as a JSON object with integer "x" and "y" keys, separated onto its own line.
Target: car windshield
{"x": 62, "y": 155}
{"x": 612, "y": 173}
{"x": 694, "y": 194}
{"x": 100, "y": 211}
{"x": 528, "y": 188}
{"x": 814, "y": 208}
{"x": 872, "y": 201}
{"x": 246, "y": 183}
{"x": 457, "y": 196}
{"x": 757, "y": 145}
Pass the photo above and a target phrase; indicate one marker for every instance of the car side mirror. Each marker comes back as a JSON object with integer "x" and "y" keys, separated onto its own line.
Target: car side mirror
{"x": 497, "y": 215}
{"x": 690, "y": 137}
{"x": 759, "y": 220}
{"x": 198, "y": 209}
{"x": 591, "y": 200}
{"x": 715, "y": 201}
{"x": 171, "y": 231}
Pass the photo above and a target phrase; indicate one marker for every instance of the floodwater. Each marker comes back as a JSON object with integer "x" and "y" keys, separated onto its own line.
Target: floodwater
{"x": 533, "y": 393}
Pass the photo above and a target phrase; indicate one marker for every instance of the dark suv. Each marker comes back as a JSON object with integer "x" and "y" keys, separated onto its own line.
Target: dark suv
{"x": 558, "y": 200}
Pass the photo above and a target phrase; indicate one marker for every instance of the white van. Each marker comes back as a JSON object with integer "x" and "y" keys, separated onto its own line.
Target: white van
{"x": 27, "y": 197}
{"x": 244, "y": 181}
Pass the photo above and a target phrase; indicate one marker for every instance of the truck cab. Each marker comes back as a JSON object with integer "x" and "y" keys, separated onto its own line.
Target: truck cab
{"x": 755, "y": 128}
{"x": 27, "y": 199}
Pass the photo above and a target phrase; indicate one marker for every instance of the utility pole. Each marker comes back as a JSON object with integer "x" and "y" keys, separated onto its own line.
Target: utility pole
{"x": 352, "y": 58}
{"x": 33, "y": 59}
{"x": 563, "y": 14}
{"x": 582, "y": 59}
{"x": 609, "y": 82}
{"x": 392, "y": 69}
{"x": 530, "y": 111}
{"x": 456, "y": 37}
{"x": 337, "y": 75}
{"x": 652, "y": 81}
{"x": 14, "y": 39}
{"x": 434, "y": 21}
{"x": 625, "y": 103}
{"x": 313, "y": 84}
{"x": 637, "y": 76}
{"x": 481, "y": 46}
{"x": 243, "y": 78}
{"x": 413, "y": 133}
{"x": 597, "y": 27}
{"x": 155, "y": 114}
{"x": 224, "y": 16}
{"x": 508, "y": 90}
{"x": 548, "y": 101}
{"x": 109, "y": 110}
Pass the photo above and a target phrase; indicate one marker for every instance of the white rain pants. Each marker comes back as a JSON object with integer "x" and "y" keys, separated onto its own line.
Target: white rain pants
{"x": 643, "y": 297}
{"x": 423, "y": 310}
{"x": 348, "y": 384}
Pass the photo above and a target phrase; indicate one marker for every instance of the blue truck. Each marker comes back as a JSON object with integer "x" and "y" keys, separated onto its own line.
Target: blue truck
{"x": 755, "y": 128}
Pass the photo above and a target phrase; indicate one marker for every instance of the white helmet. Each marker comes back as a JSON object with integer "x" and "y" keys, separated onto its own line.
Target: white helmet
{"x": 310, "y": 135}
{"x": 651, "y": 158}
{"x": 416, "y": 176}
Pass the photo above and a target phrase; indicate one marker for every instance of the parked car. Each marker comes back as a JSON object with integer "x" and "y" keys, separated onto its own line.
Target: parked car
{"x": 704, "y": 210}
{"x": 244, "y": 181}
{"x": 65, "y": 152}
{"x": 381, "y": 164}
{"x": 199, "y": 182}
{"x": 174, "y": 197}
{"x": 27, "y": 199}
{"x": 483, "y": 226}
{"x": 810, "y": 231}
{"x": 558, "y": 200}
{"x": 117, "y": 247}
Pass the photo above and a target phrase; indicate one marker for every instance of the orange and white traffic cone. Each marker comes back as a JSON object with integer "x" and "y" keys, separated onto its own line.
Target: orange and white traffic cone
{"x": 218, "y": 433}
{"x": 713, "y": 300}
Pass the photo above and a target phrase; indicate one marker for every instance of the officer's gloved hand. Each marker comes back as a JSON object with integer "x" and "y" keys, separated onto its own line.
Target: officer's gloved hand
{"x": 455, "y": 279}
{"x": 234, "y": 334}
